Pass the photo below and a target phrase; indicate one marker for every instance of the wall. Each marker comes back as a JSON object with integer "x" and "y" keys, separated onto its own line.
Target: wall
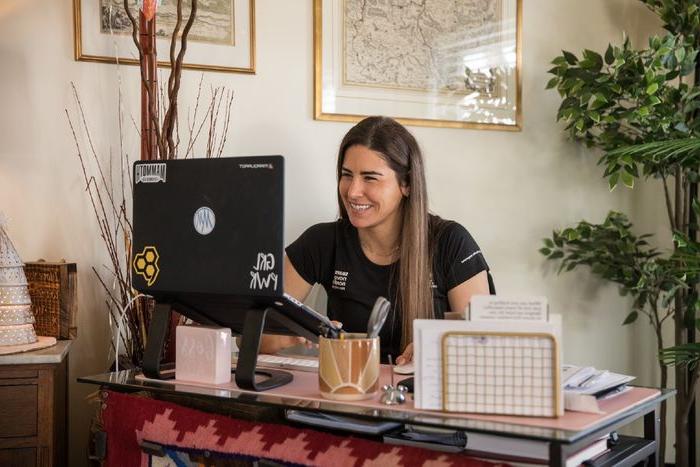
{"x": 509, "y": 189}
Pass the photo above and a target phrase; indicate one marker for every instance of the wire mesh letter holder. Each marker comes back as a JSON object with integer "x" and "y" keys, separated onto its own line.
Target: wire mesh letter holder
{"x": 501, "y": 373}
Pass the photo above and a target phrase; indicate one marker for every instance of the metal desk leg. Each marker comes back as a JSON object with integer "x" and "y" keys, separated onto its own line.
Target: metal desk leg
{"x": 557, "y": 454}
{"x": 651, "y": 431}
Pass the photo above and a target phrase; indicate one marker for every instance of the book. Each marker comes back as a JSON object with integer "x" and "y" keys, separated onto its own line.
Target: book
{"x": 341, "y": 422}
{"x": 585, "y": 386}
{"x": 525, "y": 451}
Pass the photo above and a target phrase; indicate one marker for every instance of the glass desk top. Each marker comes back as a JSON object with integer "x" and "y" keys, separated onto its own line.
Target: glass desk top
{"x": 639, "y": 402}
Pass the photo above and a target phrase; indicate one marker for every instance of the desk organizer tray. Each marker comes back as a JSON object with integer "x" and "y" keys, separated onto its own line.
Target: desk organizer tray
{"x": 501, "y": 373}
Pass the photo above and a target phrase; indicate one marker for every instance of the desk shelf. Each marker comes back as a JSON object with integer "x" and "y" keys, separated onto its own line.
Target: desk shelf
{"x": 564, "y": 436}
{"x": 629, "y": 451}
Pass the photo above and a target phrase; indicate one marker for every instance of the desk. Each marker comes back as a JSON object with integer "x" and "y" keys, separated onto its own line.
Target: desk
{"x": 564, "y": 435}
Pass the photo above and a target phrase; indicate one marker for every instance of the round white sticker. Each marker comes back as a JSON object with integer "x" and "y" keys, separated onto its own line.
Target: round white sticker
{"x": 204, "y": 220}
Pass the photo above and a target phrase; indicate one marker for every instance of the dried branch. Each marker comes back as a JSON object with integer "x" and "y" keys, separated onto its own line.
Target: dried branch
{"x": 144, "y": 81}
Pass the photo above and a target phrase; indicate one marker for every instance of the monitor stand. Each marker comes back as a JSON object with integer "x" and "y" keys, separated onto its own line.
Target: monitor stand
{"x": 245, "y": 371}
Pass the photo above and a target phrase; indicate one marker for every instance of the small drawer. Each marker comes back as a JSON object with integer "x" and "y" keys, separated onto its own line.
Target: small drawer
{"x": 19, "y": 404}
{"x": 25, "y": 457}
{"x": 6, "y": 373}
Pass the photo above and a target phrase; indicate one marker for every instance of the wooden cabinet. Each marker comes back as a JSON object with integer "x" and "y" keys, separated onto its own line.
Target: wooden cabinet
{"x": 34, "y": 408}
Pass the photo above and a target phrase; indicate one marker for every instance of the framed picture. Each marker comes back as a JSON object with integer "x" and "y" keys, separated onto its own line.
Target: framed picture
{"x": 445, "y": 63}
{"x": 222, "y": 37}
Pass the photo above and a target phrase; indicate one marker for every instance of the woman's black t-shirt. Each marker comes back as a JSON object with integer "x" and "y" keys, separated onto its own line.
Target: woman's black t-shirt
{"x": 330, "y": 254}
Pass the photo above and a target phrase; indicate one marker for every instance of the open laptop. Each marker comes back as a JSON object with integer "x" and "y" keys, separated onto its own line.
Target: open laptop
{"x": 209, "y": 238}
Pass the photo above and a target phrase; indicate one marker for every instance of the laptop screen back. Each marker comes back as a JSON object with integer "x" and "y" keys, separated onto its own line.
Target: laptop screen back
{"x": 209, "y": 226}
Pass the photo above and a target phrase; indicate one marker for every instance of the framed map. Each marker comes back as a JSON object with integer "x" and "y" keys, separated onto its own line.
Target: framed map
{"x": 447, "y": 63}
{"x": 222, "y": 37}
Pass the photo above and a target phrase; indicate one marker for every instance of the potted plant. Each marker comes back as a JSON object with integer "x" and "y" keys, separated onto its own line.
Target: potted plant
{"x": 640, "y": 108}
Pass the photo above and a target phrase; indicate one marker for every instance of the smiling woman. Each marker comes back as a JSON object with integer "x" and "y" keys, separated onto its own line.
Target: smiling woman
{"x": 385, "y": 243}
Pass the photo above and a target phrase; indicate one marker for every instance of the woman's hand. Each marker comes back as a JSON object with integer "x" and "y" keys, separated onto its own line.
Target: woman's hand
{"x": 406, "y": 356}
{"x": 271, "y": 344}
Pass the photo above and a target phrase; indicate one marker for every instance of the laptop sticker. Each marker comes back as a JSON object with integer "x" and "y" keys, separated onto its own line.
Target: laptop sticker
{"x": 204, "y": 220}
{"x": 146, "y": 264}
{"x": 150, "y": 173}
{"x": 262, "y": 276}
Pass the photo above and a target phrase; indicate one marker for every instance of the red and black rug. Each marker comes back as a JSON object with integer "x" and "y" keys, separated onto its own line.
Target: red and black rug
{"x": 188, "y": 437}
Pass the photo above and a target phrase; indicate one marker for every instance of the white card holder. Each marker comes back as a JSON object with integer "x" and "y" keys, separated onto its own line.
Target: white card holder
{"x": 203, "y": 354}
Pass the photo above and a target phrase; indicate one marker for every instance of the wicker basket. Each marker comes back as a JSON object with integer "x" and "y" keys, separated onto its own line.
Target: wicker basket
{"x": 53, "y": 290}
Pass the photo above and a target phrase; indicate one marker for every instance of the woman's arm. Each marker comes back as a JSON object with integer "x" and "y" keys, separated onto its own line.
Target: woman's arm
{"x": 298, "y": 288}
{"x": 459, "y": 296}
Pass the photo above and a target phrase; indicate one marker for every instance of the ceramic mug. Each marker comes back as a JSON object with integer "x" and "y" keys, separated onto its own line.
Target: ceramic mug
{"x": 348, "y": 368}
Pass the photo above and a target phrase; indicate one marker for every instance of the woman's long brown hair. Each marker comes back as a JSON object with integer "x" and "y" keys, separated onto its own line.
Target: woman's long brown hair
{"x": 401, "y": 151}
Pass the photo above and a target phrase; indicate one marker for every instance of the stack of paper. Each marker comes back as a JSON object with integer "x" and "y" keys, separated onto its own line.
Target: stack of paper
{"x": 584, "y": 386}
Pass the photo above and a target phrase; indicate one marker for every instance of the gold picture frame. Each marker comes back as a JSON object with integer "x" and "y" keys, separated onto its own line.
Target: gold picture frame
{"x": 349, "y": 84}
{"x": 230, "y": 48}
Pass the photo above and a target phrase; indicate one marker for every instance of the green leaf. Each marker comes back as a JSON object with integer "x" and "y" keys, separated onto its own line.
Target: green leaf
{"x": 612, "y": 181}
{"x": 680, "y": 54}
{"x": 545, "y": 251}
{"x": 569, "y": 57}
{"x": 552, "y": 83}
{"x": 631, "y": 318}
{"x": 627, "y": 179}
{"x": 652, "y": 88}
{"x": 609, "y": 56}
{"x": 548, "y": 242}
{"x": 557, "y": 255}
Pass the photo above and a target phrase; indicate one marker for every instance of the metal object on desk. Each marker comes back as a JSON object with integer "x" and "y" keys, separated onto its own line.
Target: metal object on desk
{"x": 393, "y": 395}
{"x": 377, "y": 318}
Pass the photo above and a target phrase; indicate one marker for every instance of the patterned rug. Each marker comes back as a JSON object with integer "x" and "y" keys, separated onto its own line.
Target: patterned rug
{"x": 188, "y": 437}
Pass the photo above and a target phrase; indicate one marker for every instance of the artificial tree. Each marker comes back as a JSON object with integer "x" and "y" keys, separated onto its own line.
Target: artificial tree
{"x": 640, "y": 108}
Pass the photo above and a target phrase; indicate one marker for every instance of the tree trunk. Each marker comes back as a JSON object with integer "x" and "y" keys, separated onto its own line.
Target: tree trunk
{"x": 681, "y": 435}
{"x": 664, "y": 409}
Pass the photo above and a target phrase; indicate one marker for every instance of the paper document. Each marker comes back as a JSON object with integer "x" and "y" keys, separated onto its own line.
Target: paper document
{"x": 584, "y": 386}
{"x": 427, "y": 336}
{"x": 500, "y": 308}
{"x": 588, "y": 380}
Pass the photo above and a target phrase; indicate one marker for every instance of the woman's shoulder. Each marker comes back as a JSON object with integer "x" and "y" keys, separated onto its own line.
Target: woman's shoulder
{"x": 445, "y": 229}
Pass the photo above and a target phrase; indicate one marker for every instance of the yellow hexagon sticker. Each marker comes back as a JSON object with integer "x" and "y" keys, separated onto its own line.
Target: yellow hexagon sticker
{"x": 146, "y": 264}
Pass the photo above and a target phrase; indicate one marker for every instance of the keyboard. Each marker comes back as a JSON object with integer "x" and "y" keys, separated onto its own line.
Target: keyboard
{"x": 286, "y": 363}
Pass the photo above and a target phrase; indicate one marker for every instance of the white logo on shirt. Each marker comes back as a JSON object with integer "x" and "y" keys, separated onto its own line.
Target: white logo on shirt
{"x": 340, "y": 279}
{"x": 477, "y": 252}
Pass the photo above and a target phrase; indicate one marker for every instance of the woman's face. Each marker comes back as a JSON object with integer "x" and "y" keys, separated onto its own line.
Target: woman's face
{"x": 369, "y": 189}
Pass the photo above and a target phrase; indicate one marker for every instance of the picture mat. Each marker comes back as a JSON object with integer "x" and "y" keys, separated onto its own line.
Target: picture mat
{"x": 215, "y": 23}
{"x": 340, "y": 98}
{"x": 95, "y": 45}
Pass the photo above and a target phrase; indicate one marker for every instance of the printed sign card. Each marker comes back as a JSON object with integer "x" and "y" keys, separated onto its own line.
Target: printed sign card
{"x": 498, "y": 308}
